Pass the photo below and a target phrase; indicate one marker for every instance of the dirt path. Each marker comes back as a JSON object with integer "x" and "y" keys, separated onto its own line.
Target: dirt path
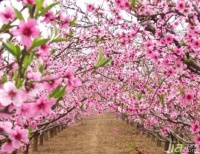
{"x": 95, "y": 136}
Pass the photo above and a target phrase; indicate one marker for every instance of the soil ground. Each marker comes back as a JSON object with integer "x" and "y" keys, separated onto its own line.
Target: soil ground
{"x": 95, "y": 136}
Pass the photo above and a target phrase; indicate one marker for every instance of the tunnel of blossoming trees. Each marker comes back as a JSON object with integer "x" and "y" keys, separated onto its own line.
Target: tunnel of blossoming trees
{"x": 66, "y": 60}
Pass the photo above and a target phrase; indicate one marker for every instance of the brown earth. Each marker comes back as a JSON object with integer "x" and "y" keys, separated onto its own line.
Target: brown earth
{"x": 95, "y": 136}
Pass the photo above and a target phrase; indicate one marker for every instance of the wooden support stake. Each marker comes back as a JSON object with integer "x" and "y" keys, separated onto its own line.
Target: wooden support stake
{"x": 41, "y": 139}
{"x": 58, "y": 131}
{"x": 138, "y": 126}
{"x": 51, "y": 133}
{"x": 55, "y": 131}
{"x": 148, "y": 135}
{"x": 153, "y": 138}
{"x": 166, "y": 145}
{"x": 61, "y": 127}
{"x": 35, "y": 143}
{"x": 123, "y": 118}
{"x": 135, "y": 125}
{"x": 46, "y": 136}
{"x": 159, "y": 143}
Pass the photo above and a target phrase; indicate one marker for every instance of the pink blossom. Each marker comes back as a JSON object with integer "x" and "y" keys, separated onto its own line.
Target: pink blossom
{"x": 18, "y": 135}
{"x": 65, "y": 21}
{"x": 8, "y": 147}
{"x": 49, "y": 16}
{"x": 7, "y": 15}
{"x": 122, "y": 4}
{"x": 178, "y": 51}
{"x": 5, "y": 115}
{"x": 52, "y": 84}
{"x": 170, "y": 71}
{"x": 195, "y": 127}
{"x": 77, "y": 82}
{"x": 116, "y": 131}
{"x": 69, "y": 74}
{"x": 164, "y": 132}
{"x": 72, "y": 82}
{"x": 33, "y": 124}
{"x": 11, "y": 95}
{"x": 26, "y": 110}
{"x": 28, "y": 30}
{"x": 43, "y": 106}
{"x": 29, "y": 2}
{"x": 5, "y": 126}
{"x": 197, "y": 139}
{"x": 189, "y": 97}
{"x": 180, "y": 5}
{"x": 44, "y": 50}
{"x": 196, "y": 44}
{"x": 169, "y": 38}
{"x": 90, "y": 7}
{"x": 77, "y": 104}
{"x": 149, "y": 44}
{"x": 36, "y": 76}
